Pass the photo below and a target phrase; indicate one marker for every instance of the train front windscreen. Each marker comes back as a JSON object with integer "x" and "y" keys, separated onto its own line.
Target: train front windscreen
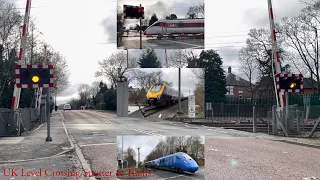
{"x": 156, "y": 88}
{"x": 186, "y": 156}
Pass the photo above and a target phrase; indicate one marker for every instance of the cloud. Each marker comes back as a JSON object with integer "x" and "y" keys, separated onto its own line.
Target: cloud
{"x": 110, "y": 25}
{"x": 259, "y": 17}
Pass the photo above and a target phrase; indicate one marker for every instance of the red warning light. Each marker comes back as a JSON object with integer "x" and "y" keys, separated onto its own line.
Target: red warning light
{"x": 139, "y": 10}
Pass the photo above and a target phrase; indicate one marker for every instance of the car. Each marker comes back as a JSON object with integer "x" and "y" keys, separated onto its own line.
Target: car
{"x": 67, "y": 107}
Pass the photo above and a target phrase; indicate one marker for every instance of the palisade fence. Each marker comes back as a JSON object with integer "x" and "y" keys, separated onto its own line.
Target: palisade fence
{"x": 13, "y": 123}
{"x": 232, "y": 108}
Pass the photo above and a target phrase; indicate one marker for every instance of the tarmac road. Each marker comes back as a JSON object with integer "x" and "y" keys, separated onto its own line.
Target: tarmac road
{"x": 255, "y": 159}
{"x": 164, "y": 43}
{"x": 229, "y": 154}
{"x": 163, "y": 175}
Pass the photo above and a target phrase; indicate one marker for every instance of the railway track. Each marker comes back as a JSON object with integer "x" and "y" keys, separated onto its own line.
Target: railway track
{"x": 147, "y": 111}
{"x": 248, "y": 127}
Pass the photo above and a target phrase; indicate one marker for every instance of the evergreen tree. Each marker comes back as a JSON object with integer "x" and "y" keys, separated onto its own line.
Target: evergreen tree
{"x": 215, "y": 80}
{"x": 149, "y": 59}
{"x": 153, "y": 19}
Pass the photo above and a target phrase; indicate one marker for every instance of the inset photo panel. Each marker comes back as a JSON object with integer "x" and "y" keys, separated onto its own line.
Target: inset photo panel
{"x": 157, "y": 58}
{"x": 170, "y": 24}
{"x": 166, "y": 93}
{"x": 161, "y": 157}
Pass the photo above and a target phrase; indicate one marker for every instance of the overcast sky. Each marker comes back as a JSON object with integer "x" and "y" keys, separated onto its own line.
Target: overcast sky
{"x": 84, "y": 31}
{"x": 188, "y": 78}
{"x": 160, "y": 8}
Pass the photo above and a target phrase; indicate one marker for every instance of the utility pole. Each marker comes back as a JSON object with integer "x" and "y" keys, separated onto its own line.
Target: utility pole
{"x": 140, "y": 31}
{"x": 180, "y": 111}
{"x": 127, "y": 58}
{"x": 138, "y": 157}
{"x": 122, "y": 155}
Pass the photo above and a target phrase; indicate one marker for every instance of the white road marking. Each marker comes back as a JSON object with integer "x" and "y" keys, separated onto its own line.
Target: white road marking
{"x": 101, "y": 144}
{"x": 186, "y": 43}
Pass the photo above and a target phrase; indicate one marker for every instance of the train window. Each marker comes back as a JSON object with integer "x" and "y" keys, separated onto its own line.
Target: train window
{"x": 181, "y": 24}
{"x": 158, "y": 24}
{"x": 177, "y": 157}
{"x": 156, "y": 88}
{"x": 186, "y": 156}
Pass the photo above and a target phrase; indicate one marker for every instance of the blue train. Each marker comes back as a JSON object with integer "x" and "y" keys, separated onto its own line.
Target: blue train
{"x": 178, "y": 162}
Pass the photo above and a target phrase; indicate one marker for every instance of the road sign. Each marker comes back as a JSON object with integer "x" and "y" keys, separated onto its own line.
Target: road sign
{"x": 289, "y": 82}
{"x": 191, "y": 101}
{"x": 133, "y": 12}
{"x": 192, "y": 112}
{"x": 34, "y": 76}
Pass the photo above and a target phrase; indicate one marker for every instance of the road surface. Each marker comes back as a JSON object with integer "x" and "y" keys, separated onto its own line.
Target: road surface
{"x": 164, "y": 43}
{"x": 229, "y": 154}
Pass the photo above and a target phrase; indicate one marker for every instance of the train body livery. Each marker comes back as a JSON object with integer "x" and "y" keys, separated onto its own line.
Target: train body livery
{"x": 161, "y": 94}
{"x": 176, "y": 26}
{"x": 177, "y": 162}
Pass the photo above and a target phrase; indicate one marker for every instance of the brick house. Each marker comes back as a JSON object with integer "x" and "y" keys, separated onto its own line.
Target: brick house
{"x": 307, "y": 85}
{"x": 237, "y": 86}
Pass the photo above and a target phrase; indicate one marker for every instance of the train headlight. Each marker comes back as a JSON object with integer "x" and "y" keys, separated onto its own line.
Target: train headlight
{"x": 159, "y": 96}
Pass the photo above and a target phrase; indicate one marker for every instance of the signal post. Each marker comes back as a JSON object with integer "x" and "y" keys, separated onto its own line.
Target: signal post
{"x": 289, "y": 83}
{"x": 36, "y": 76}
{"x": 134, "y": 12}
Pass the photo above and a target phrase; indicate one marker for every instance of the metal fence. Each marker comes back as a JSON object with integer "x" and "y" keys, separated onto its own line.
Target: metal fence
{"x": 13, "y": 123}
{"x": 230, "y": 108}
{"x": 236, "y": 108}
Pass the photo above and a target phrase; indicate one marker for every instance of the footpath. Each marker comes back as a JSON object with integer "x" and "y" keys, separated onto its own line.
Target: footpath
{"x": 30, "y": 157}
{"x": 310, "y": 142}
{"x": 32, "y": 144}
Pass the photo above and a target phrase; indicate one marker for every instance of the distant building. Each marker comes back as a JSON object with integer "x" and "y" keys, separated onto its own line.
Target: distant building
{"x": 307, "y": 86}
{"x": 237, "y": 86}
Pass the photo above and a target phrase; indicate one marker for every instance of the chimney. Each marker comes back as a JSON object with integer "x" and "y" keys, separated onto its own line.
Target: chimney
{"x": 229, "y": 69}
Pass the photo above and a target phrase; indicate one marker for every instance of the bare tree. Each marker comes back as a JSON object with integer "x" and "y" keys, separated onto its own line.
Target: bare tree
{"x": 144, "y": 79}
{"x": 84, "y": 93}
{"x": 115, "y": 66}
{"x": 183, "y": 58}
{"x": 61, "y": 71}
{"x": 248, "y": 64}
{"x": 94, "y": 89}
{"x": 301, "y": 34}
{"x": 33, "y": 42}
{"x": 10, "y": 20}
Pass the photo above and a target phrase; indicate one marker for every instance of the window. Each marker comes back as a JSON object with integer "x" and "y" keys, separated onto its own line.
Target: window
{"x": 158, "y": 24}
{"x": 230, "y": 90}
{"x": 156, "y": 88}
{"x": 177, "y": 157}
{"x": 186, "y": 156}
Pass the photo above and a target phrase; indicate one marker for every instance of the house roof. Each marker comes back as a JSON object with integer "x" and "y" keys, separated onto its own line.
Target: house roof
{"x": 234, "y": 80}
{"x": 307, "y": 83}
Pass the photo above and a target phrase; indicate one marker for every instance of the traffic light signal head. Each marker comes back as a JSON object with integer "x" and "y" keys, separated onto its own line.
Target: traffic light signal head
{"x": 289, "y": 82}
{"x": 33, "y": 76}
{"x": 134, "y": 12}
